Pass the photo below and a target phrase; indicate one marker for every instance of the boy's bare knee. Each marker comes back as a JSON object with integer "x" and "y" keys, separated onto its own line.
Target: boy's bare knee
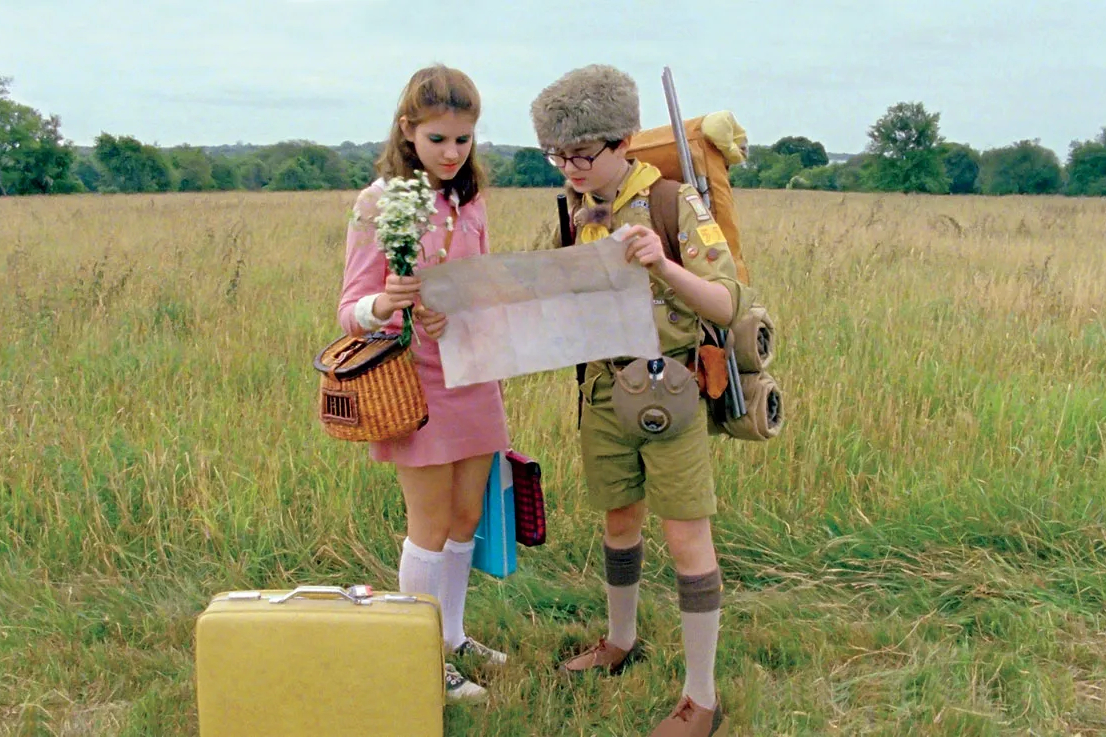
{"x": 624, "y": 525}
{"x": 691, "y": 546}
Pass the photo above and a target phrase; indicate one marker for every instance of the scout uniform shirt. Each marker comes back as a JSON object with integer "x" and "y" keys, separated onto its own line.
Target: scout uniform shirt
{"x": 702, "y": 246}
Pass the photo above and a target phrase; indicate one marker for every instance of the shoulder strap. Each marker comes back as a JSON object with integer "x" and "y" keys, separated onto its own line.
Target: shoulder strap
{"x": 568, "y": 203}
{"x": 664, "y": 211}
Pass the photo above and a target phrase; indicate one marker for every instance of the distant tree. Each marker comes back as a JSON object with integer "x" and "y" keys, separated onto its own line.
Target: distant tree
{"x": 131, "y": 166}
{"x": 744, "y": 176}
{"x": 499, "y": 168}
{"x": 530, "y": 169}
{"x": 34, "y": 158}
{"x": 778, "y": 170}
{"x": 193, "y": 169}
{"x": 297, "y": 174}
{"x": 88, "y": 173}
{"x": 811, "y": 153}
{"x": 1025, "y": 167}
{"x": 747, "y": 175}
{"x": 225, "y": 174}
{"x": 360, "y": 170}
{"x": 961, "y": 164}
{"x": 350, "y": 150}
{"x": 857, "y": 174}
{"x": 329, "y": 169}
{"x": 1087, "y": 167}
{"x": 904, "y": 142}
{"x": 252, "y": 171}
{"x": 822, "y": 177}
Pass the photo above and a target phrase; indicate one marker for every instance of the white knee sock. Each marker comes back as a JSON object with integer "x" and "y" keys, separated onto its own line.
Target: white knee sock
{"x": 420, "y": 570}
{"x": 623, "y": 570}
{"x": 453, "y": 589}
{"x": 700, "y": 647}
{"x": 622, "y": 615}
{"x": 700, "y": 612}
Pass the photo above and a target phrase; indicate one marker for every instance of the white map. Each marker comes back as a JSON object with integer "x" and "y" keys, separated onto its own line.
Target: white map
{"x": 520, "y": 313}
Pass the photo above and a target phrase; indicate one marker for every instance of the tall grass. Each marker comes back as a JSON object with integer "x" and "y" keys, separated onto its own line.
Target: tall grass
{"x": 921, "y": 551}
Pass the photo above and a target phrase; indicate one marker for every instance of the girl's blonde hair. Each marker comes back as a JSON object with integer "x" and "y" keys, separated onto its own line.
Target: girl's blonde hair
{"x": 431, "y": 92}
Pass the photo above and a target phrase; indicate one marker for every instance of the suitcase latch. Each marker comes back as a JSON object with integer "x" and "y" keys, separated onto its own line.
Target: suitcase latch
{"x": 243, "y": 596}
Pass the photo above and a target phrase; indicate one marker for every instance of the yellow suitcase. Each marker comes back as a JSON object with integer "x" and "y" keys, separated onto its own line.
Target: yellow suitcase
{"x": 320, "y": 660}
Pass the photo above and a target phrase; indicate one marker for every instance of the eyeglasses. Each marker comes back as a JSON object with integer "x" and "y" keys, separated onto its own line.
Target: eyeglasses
{"x": 583, "y": 163}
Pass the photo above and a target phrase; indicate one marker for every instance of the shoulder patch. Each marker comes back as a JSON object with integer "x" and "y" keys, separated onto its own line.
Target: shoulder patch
{"x": 642, "y": 203}
{"x": 710, "y": 234}
{"x": 701, "y": 212}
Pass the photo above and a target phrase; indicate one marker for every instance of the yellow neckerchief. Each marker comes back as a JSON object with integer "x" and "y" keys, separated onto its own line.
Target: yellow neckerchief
{"x": 641, "y": 176}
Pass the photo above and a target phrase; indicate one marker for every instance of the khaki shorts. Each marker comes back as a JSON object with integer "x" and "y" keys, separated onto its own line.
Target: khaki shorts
{"x": 672, "y": 475}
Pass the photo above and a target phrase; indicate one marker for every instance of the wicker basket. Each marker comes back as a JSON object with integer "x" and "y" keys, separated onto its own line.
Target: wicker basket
{"x": 369, "y": 389}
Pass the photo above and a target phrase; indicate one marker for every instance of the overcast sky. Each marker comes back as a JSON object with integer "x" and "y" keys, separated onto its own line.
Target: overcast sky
{"x": 219, "y": 71}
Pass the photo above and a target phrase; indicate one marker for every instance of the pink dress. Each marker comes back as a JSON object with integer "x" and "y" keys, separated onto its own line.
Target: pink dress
{"x": 466, "y": 421}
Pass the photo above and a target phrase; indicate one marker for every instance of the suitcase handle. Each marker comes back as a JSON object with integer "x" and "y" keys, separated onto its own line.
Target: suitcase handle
{"x": 336, "y": 592}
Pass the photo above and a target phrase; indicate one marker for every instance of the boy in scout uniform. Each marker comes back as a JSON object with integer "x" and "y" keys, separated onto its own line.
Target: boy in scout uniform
{"x": 584, "y": 122}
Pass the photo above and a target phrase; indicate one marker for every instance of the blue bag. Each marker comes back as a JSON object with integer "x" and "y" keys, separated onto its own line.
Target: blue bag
{"x": 495, "y": 552}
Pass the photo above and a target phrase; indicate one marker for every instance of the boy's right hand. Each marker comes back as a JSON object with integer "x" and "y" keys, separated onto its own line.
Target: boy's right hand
{"x": 644, "y": 245}
{"x": 399, "y": 292}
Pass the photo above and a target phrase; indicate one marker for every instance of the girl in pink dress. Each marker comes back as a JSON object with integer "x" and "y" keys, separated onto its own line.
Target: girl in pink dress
{"x": 443, "y": 467}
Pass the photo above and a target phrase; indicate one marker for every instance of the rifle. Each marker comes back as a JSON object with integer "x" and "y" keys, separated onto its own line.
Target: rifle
{"x": 735, "y": 396}
{"x": 687, "y": 166}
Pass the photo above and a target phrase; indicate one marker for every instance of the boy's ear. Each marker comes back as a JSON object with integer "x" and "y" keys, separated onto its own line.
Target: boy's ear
{"x": 623, "y": 146}
{"x": 406, "y": 128}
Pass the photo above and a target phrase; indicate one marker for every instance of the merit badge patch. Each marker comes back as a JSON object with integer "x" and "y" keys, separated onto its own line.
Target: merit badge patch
{"x": 639, "y": 203}
{"x": 710, "y": 234}
{"x": 701, "y": 212}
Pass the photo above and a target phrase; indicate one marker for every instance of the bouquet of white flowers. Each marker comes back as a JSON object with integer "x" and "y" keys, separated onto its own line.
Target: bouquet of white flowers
{"x": 404, "y": 217}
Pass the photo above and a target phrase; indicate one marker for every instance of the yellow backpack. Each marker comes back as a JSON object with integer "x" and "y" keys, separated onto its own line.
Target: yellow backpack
{"x": 717, "y": 141}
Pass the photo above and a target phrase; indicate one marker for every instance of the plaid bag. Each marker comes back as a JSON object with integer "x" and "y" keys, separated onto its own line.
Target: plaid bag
{"x": 529, "y": 500}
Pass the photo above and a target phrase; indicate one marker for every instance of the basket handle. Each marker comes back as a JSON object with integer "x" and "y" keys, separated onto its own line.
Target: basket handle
{"x": 355, "y": 345}
{"x": 348, "y": 352}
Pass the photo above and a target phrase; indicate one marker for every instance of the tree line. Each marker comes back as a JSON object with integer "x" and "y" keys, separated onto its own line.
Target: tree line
{"x": 905, "y": 153}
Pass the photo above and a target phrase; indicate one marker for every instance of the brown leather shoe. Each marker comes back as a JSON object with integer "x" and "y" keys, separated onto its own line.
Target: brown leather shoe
{"x": 604, "y": 655}
{"x": 689, "y": 719}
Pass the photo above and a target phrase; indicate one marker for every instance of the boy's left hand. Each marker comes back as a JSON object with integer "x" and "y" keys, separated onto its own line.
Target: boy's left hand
{"x": 645, "y": 246}
{"x": 432, "y": 322}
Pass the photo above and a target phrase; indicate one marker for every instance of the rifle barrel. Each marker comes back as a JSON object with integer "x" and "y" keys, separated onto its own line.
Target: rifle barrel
{"x": 687, "y": 167}
{"x": 565, "y": 224}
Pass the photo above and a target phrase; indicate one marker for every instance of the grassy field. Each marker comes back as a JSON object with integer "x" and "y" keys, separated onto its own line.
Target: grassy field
{"x": 922, "y": 551}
